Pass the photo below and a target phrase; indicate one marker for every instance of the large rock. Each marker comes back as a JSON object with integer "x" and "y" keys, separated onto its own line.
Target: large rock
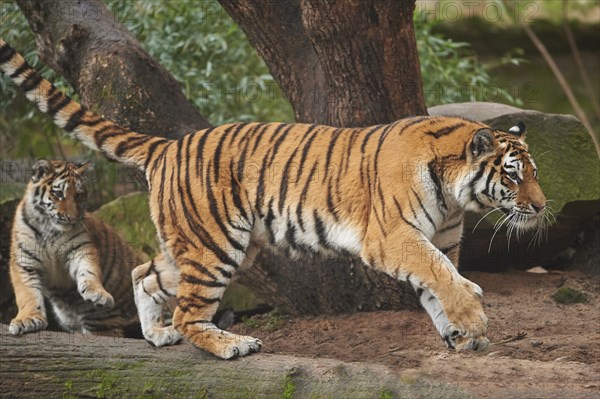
{"x": 478, "y": 111}
{"x": 569, "y": 175}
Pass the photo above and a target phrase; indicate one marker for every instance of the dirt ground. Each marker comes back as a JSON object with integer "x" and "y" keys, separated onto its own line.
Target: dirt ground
{"x": 558, "y": 358}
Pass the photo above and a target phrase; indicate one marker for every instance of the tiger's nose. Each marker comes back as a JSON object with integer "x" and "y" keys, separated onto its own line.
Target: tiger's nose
{"x": 538, "y": 207}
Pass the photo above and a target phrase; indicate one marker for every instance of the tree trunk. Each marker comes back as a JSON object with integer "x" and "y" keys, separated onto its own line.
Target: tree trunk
{"x": 340, "y": 63}
{"x": 55, "y": 364}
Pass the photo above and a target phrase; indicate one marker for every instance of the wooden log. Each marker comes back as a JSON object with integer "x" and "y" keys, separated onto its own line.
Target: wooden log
{"x": 57, "y": 364}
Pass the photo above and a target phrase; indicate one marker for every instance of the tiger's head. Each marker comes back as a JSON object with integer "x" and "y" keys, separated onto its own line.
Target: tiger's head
{"x": 504, "y": 177}
{"x": 57, "y": 191}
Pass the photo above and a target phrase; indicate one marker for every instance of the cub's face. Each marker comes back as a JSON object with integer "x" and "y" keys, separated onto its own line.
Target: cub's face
{"x": 508, "y": 177}
{"x": 58, "y": 191}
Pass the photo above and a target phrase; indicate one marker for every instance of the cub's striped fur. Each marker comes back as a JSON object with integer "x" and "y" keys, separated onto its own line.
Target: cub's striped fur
{"x": 67, "y": 256}
{"x": 392, "y": 194}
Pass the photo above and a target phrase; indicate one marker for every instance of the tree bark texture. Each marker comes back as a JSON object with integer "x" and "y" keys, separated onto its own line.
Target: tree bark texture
{"x": 340, "y": 63}
{"x": 108, "y": 68}
{"x": 56, "y": 364}
{"x": 347, "y": 63}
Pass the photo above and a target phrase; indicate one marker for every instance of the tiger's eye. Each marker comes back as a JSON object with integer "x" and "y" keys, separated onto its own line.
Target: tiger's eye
{"x": 58, "y": 194}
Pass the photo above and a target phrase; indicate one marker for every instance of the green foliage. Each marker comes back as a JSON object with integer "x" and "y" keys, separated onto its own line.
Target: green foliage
{"x": 130, "y": 216}
{"x": 385, "y": 394}
{"x": 568, "y": 296}
{"x": 553, "y": 10}
{"x": 209, "y": 55}
{"x": 452, "y": 72}
{"x": 269, "y": 322}
{"x": 250, "y": 322}
{"x": 11, "y": 191}
{"x": 23, "y": 130}
{"x": 289, "y": 387}
{"x": 274, "y": 321}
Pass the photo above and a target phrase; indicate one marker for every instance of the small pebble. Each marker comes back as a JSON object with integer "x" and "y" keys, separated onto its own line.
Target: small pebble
{"x": 536, "y": 343}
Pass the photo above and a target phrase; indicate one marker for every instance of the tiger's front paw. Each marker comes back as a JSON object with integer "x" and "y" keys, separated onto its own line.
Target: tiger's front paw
{"x": 21, "y": 325}
{"x": 96, "y": 294}
{"x": 468, "y": 322}
{"x": 462, "y": 339}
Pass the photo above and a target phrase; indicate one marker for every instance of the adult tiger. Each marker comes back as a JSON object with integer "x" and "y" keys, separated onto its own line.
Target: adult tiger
{"x": 392, "y": 194}
{"x": 69, "y": 257}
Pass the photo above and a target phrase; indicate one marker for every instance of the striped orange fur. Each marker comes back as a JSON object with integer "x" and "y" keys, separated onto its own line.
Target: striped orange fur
{"x": 393, "y": 194}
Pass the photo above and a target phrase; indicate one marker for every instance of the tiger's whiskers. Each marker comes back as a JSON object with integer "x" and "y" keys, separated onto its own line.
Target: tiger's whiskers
{"x": 484, "y": 216}
{"x": 497, "y": 227}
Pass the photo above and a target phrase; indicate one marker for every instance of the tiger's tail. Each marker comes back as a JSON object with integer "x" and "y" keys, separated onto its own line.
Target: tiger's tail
{"x": 96, "y": 132}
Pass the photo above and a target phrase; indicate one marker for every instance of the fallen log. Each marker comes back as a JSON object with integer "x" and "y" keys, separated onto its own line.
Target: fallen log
{"x": 57, "y": 364}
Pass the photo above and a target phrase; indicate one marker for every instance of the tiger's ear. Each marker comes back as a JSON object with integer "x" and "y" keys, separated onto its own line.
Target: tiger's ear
{"x": 40, "y": 169}
{"x": 483, "y": 142}
{"x": 518, "y": 130}
{"x": 85, "y": 169}
{"x": 82, "y": 167}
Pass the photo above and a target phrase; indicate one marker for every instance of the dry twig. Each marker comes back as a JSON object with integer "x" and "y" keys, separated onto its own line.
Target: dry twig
{"x": 520, "y": 335}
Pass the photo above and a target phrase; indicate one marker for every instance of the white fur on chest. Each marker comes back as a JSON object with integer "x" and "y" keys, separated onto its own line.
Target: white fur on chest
{"x": 289, "y": 234}
{"x": 53, "y": 254}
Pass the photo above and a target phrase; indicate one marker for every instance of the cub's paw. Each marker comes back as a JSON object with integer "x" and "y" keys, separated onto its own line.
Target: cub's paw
{"x": 162, "y": 336}
{"x": 96, "y": 295}
{"x": 22, "y": 325}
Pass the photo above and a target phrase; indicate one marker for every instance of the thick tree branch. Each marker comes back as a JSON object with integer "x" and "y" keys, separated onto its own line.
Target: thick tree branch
{"x": 109, "y": 69}
{"x": 53, "y": 364}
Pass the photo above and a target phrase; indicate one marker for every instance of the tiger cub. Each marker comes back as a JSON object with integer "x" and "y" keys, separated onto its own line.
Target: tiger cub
{"x": 63, "y": 254}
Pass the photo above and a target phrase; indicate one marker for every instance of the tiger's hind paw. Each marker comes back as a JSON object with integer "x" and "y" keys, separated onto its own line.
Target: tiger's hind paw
{"x": 162, "y": 336}
{"x": 223, "y": 344}
{"x": 20, "y": 326}
{"x": 238, "y": 346}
